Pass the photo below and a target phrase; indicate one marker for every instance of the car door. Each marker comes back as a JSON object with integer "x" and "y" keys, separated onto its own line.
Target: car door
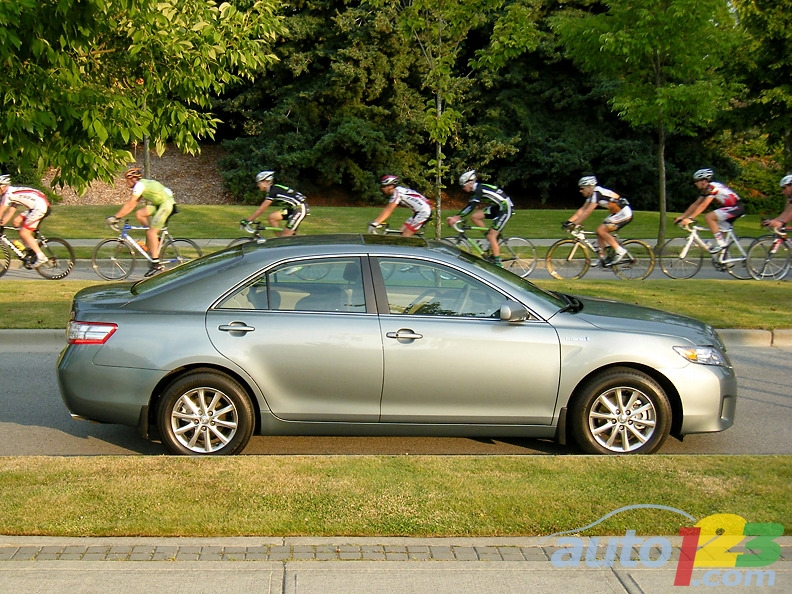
{"x": 302, "y": 332}
{"x": 450, "y": 359}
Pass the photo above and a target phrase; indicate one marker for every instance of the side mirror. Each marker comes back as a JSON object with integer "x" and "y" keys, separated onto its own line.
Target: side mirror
{"x": 511, "y": 311}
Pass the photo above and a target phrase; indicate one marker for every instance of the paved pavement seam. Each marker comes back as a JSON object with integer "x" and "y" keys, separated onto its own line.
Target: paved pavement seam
{"x": 484, "y": 552}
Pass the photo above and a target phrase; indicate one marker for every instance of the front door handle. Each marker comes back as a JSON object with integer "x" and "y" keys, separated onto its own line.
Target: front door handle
{"x": 236, "y": 327}
{"x": 404, "y": 334}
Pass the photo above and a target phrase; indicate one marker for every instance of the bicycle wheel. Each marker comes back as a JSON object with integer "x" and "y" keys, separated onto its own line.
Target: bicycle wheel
{"x": 178, "y": 251}
{"x": 676, "y": 265}
{"x": 768, "y": 261}
{"x": 240, "y": 240}
{"x": 60, "y": 255}
{"x": 518, "y": 255}
{"x": 736, "y": 259}
{"x": 457, "y": 242}
{"x": 638, "y": 263}
{"x": 567, "y": 258}
{"x": 113, "y": 259}
{"x": 5, "y": 259}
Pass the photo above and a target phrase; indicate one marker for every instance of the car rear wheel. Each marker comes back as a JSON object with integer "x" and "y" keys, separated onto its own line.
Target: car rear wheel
{"x": 205, "y": 413}
{"x": 620, "y": 411}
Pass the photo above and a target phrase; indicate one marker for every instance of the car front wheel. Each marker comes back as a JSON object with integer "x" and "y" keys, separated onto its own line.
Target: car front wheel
{"x": 205, "y": 413}
{"x": 620, "y": 411}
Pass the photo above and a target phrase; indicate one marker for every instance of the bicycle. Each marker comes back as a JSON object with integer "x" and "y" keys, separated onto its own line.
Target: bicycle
{"x": 313, "y": 272}
{"x": 58, "y": 251}
{"x": 114, "y": 259}
{"x": 770, "y": 257}
{"x": 682, "y": 257}
{"x": 518, "y": 255}
{"x": 571, "y": 259}
{"x": 383, "y": 229}
{"x": 254, "y": 228}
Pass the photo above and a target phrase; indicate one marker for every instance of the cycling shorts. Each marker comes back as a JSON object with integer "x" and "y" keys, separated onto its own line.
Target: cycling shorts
{"x": 500, "y": 216}
{"x": 159, "y": 214}
{"x": 294, "y": 215}
{"x": 618, "y": 220}
{"x": 727, "y": 214}
{"x": 33, "y": 216}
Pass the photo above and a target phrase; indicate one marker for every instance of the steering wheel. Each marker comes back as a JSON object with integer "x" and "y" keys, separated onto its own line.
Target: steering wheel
{"x": 420, "y": 301}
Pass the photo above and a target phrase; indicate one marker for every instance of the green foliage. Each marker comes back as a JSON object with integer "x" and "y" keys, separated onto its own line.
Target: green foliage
{"x": 86, "y": 78}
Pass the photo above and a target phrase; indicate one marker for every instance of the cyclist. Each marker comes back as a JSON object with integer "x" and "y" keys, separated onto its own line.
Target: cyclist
{"x": 401, "y": 196}
{"x": 289, "y": 203}
{"x": 620, "y": 215}
{"x": 486, "y": 202}
{"x": 786, "y": 215}
{"x": 36, "y": 208}
{"x": 729, "y": 206}
{"x": 153, "y": 215}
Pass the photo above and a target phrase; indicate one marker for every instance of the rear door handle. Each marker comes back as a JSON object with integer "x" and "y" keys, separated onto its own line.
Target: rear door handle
{"x": 236, "y": 327}
{"x": 404, "y": 334}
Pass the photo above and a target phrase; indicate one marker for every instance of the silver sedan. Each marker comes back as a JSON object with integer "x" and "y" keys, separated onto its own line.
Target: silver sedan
{"x": 372, "y": 335}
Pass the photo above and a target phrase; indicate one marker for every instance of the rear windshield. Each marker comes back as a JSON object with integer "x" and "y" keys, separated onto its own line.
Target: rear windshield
{"x": 189, "y": 271}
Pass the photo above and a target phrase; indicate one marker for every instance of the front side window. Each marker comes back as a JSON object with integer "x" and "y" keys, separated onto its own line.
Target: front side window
{"x": 415, "y": 287}
{"x": 321, "y": 284}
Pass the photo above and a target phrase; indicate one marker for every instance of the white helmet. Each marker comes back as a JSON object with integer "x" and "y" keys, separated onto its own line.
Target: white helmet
{"x": 785, "y": 181}
{"x": 467, "y": 177}
{"x": 265, "y": 176}
{"x": 5, "y": 180}
{"x": 588, "y": 180}
{"x": 703, "y": 174}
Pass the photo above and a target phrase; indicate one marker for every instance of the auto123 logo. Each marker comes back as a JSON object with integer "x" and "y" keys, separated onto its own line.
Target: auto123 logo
{"x": 706, "y": 545}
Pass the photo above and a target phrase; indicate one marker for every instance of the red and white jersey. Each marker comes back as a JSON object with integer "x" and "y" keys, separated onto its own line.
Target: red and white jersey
{"x": 722, "y": 194}
{"x": 27, "y": 197}
{"x": 411, "y": 199}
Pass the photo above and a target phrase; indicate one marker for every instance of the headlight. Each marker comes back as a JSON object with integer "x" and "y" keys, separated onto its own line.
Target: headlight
{"x": 703, "y": 355}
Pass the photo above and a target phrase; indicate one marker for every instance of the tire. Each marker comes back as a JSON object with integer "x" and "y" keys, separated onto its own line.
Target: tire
{"x": 240, "y": 241}
{"x": 178, "y": 251}
{"x": 597, "y": 429}
{"x": 639, "y": 263}
{"x": 5, "y": 259}
{"x": 205, "y": 413}
{"x": 61, "y": 258}
{"x": 763, "y": 264}
{"x": 675, "y": 266}
{"x": 568, "y": 259}
{"x": 112, "y": 259}
{"x": 518, "y": 255}
{"x": 739, "y": 269}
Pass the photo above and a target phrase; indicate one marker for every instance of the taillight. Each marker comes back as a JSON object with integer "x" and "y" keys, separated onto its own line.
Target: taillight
{"x": 89, "y": 332}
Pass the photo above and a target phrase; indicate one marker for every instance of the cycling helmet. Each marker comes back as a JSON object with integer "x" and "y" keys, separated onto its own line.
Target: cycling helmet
{"x": 587, "y": 180}
{"x": 134, "y": 173}
{"x": 389, "y": 180}
{"x": 5, "y": 180}
{"x": 703, "y": 174}
{"x": 265, "y": 176}
{"x": 467, "y": 177}
{"x": 785, "y": 181}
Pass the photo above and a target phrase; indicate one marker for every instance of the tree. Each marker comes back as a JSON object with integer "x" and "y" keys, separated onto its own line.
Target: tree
{"x": 662, "y": 60}
{"x": 767, "y": 68}
{"x": 440, "y": 29}
{"x": 85, "y": 78}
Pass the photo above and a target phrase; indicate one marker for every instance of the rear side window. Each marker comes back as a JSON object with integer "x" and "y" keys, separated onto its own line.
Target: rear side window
{"x": 322, "y": 284}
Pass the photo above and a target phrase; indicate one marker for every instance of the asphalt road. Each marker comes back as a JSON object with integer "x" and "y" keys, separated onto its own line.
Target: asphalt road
{"x": 34, "y": 421}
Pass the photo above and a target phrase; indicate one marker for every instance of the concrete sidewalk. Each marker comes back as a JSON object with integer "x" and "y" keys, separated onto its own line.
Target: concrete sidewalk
{"x": 346, "y": 565}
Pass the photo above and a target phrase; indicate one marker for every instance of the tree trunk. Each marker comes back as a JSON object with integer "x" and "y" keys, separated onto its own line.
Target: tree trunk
{"x": 661, "y": 140}
{"x": 439, "y": 175}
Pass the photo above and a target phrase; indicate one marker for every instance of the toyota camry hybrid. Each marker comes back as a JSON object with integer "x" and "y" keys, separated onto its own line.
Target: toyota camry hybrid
{"x": 373, "y": 335}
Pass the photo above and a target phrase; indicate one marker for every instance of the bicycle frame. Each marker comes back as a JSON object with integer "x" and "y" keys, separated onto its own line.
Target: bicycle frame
{"x": 718, "y": 258}
{"x": 476, "y": 245}
{"x": 130, "y": 241}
